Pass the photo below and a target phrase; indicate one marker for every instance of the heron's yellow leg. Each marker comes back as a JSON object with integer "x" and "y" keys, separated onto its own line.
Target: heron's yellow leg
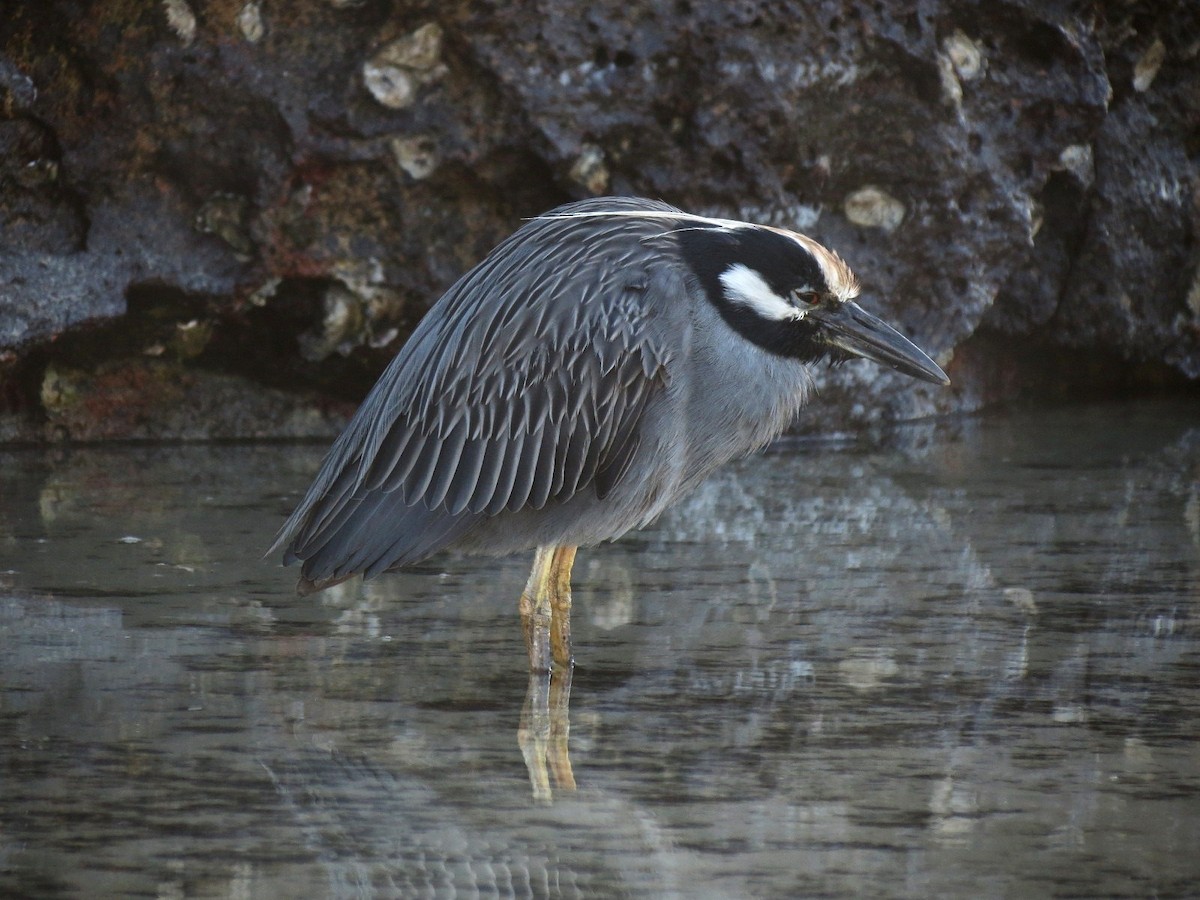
{"x": 560, "y": 607}
{"x": 535, "y": 610}
{"x": 546, "y": 609}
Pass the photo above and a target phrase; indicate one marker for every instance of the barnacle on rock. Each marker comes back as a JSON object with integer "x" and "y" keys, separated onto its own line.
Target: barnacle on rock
{"x": 395, "y": 73}
{"x": 872, "y": 207}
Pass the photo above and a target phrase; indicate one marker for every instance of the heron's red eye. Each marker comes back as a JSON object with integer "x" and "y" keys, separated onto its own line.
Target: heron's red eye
{"x": 806, "y": 297}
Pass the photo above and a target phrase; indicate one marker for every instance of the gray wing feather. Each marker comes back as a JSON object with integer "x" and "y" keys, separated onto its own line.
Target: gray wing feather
{"x": 523, "y": 385}
{"x": 507, "y": 475}
{"x": 326, "y": 512}
{"x": 574, "y": 460}
{"x": 414, "y": 486}
{"x": 449, "y": 460}
{"x": 543, "y": 473}
{"x": 480, "y": 493}
{"x": 466, "y": 476}
{"x": 527, "y": 465}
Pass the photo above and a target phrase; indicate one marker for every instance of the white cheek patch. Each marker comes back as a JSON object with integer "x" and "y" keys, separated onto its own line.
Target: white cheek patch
{"x": 746, "y": 287}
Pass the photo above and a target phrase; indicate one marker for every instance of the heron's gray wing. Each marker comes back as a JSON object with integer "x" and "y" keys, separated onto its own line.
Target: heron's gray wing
{"x": 525, "y": 384}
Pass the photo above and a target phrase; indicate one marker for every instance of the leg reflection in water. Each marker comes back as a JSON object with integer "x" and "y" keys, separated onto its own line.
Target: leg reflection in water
{"x": 544, "y": 733}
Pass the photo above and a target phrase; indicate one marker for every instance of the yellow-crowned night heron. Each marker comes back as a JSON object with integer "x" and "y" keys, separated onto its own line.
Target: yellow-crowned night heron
{"x": 592, "y": 370}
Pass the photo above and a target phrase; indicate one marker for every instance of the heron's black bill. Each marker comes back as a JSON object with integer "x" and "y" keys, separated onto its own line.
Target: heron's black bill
{"x": 852, "y": 329}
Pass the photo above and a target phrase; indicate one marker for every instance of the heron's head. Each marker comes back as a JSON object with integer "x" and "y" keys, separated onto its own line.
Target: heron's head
{"x": 793, "y": 297}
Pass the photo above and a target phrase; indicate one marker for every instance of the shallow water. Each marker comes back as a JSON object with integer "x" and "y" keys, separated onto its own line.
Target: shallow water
{"x": 964, "y": 662}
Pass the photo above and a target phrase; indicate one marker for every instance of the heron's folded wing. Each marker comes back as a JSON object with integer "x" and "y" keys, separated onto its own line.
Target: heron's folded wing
{"x": 525, "y": 384}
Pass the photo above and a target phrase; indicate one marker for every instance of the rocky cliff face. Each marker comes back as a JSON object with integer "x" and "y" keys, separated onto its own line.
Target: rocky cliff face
{"x": 221, "y": 217}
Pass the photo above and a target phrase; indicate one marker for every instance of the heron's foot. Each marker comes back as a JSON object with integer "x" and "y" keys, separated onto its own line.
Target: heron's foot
{"x": 544, "y": 734}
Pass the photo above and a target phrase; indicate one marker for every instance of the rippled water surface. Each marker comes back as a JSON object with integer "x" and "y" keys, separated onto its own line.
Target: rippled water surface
{"x": 965, "y": 662}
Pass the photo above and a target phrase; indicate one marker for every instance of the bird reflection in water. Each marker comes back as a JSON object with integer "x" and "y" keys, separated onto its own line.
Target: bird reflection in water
{"x": 544, "y": 733}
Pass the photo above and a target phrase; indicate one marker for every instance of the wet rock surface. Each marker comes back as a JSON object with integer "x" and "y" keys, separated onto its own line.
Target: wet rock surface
{"x": 263, "y": 204}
